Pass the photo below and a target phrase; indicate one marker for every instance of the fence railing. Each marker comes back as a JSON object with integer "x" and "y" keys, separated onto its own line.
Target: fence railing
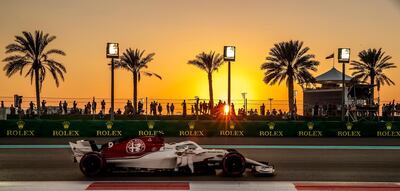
{"x": 52, "y": 103}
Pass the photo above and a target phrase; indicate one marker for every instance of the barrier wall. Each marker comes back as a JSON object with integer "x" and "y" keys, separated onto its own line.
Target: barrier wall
{"x": 181, "y": 128}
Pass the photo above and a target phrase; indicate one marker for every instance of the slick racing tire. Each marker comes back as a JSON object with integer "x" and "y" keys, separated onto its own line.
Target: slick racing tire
{"x": 92, "y": 164}
{"x": 232, "y": 150}
{"x": 233, "y": 164}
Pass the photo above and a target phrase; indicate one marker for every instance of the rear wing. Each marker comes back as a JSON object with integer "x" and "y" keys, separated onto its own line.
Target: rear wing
{"x": 81, "y": 147}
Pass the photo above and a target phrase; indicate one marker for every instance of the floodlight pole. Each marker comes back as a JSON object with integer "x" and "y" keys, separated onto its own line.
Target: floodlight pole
{"x": 343, "y": 89}
{"x": 270, "y": 104}
{"x": 229, "y": 87}
{"x": 112, "y": 89}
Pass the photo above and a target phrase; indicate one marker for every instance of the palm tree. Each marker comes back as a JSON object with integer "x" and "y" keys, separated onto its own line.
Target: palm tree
{"x": 30, "y": 50}
{"x": 135, "y": 61}
{"x": 209, "y": 63}
{"x": 289, "y": 61}
{"x": 372, "y": 64}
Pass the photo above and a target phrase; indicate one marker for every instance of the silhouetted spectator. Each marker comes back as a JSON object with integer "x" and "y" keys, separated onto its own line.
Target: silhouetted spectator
{"x": 94, "y": 105}
{"x": 205, "y": 107}
{"x": 184, "y": 108}
{"x": 167, "y": 108}
{"x": 89, "y": 108}
{"x": 2, "y": 104}
{"x": 12, "y": 110}
{"x": 192, "y": 110}
{"x": 172, "y": 108}
{"x": 74, "y": 104}
{"x": 316, "y": 107}
{"x": 44, "y": 108}
{"x": 232, "y": 110}
{"x": 101, "y": 115}
{"x": 119, "y": 112}
{"x": 159, "y": 109}
{"x": 274, "y": 113}
{"x": 196, "y": 106}
{"x": 20, "y": 103}
{"x": 251, "y": 112}
{"x": 140, "y": 107}
{"x": 153, "y": 108}
{"x": 262, "y": 109}
{"x": 60, "y": 108}
{"x": 21, "y": 113}
{"x": 65, "y": 107}
{"x": 31, "y": 105}
{"x": 103, "y": 106}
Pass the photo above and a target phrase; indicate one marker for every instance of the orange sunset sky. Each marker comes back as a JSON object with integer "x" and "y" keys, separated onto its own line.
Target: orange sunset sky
{"x": 177, "y": 30}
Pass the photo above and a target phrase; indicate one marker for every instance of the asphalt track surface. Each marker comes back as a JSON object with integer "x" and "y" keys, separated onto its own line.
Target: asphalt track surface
{"x": 354, "y": 165}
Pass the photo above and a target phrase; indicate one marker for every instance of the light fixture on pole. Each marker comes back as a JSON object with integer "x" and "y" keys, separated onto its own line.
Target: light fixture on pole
{"x": 112, "y": 51}
{"x": 343, "y": 57}
{"x": 229, "y": 55}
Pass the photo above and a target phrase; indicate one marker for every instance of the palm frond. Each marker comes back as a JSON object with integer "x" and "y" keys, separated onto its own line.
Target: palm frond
{"x": 372, "y": 64}
{"x": 289, "y": 59}
{"x": 30, "y": 50}
{"x": 134, "y": 61}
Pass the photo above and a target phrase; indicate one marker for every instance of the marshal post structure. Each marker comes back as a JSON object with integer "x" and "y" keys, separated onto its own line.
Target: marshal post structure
{"x": 325, "y": 98}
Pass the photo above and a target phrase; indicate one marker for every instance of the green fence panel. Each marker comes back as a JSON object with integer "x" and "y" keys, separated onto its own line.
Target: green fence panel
{"x": 200, "y": 128}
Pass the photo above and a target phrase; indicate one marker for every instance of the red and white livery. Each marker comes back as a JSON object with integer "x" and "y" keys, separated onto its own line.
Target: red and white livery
{"x": 151, "y": 154}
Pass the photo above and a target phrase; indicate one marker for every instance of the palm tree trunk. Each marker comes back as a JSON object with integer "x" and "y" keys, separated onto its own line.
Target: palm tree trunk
{"x": 372, "y": 88}
{"x": 135, "y": 80}
{"x": 37, "y": 87}
{"x": 290, "y": 96}
{"x": 210, "y": 89}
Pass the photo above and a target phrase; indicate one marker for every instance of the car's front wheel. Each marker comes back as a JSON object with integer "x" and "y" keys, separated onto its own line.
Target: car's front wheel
{"x": 233, "y": 164}
{"x": 92, "y": 164}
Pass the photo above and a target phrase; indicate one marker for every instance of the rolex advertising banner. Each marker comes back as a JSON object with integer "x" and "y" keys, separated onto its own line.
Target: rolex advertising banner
{"x": 200, "y": 128}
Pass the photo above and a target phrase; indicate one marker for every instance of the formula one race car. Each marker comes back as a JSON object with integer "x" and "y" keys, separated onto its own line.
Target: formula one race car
{"x": 151, "y": 154}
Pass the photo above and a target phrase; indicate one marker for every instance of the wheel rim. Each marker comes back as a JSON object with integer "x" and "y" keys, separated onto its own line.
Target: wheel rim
{"x": 92, "y": 164}
{"x": 234, "y": 164}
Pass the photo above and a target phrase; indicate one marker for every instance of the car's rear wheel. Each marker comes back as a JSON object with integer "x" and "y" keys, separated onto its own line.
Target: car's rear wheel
{"x": 92, "y": 164}
{"x": 233, "y": 164}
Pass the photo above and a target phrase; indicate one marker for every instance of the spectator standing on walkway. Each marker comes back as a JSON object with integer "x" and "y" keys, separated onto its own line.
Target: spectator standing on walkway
{"x": 74, "y": 104}
{"x": 262, "y": 109}
{"x": 232, "y": 111}
{"x": 184, "y": 108}
{"x": 20, "y": 103}
{"x": 103, "y": 106}
{"x": 172, "y": 108}
{"x": 65, "y": 107}
{"x": 31, "y": 106}
{"x": 94, "y": 105}
{"x": 159, "y": 108}
{"x": 205, "y": 108}
{"x": 12, "y": 110}
{"x": 196, "y": 107}
{"x": 44, "y": 108}
{"x": 167, "y": 108}
{"x": 2, "y": 104}
{"x": 60, "y": 108}
{"x": 20, "y": 113}
{"x": 140, "y": 107}
{"x": 89, "y": 108}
